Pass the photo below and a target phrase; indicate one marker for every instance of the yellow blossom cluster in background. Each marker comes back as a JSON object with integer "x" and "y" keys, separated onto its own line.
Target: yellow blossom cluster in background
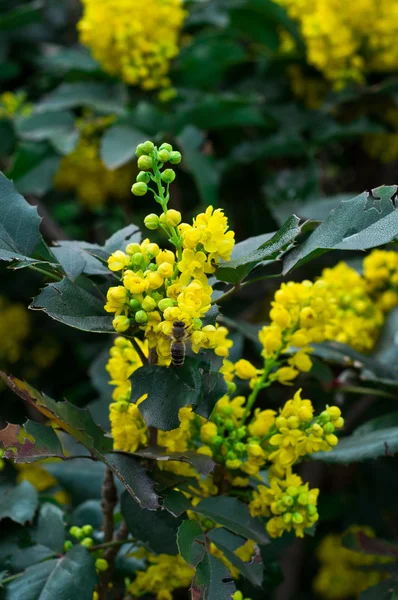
{"x": 14, "y": 105}
{"x": 84, "y": 173}
{"x": 340, "y": 575}
{"x": 165, "y": 574}
{"x": 134, "y": 40}
{"x": 14, "y": 329}
{"x": 380, "y": 270}
{"x": 346, "y": 41}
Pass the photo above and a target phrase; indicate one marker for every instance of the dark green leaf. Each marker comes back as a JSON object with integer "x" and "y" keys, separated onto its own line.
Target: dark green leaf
{"x": 80, "y": 477}
{"x": 203, "y": 167}
{"x": 72, "y": 576}
{"x": 51, "y": 528}
{"x": 202, "y": 463}
{"x": 42, "y": 442}
{"x": 191, "y": 542}
{"x": 134, "y": 478}
{"x": 18, "y": 551}
{"x": 19, "y": 224}
{"x": 168, "y": 390}
{"x": 3, "y": 575}
{"x": 103, "y": 97}
{"x": 18, "y": 503}
{"x": 7, "y": 137}
{"x": 234, "y": 515}
{"x": 156, "y": 529}
{"x": 73, "y": 305}
{"x": 236, "y": 270}
{"x": 213, "y": 580}
{"x": 367, "y": 221}
{"x": 75, "y": 259}
{"x": 34, "y": 168}
{"x": 362, "y": 446}
{"x": 21, "y": 16}
{"x": 228, "y": 542}
{"x": 386, "y": 590}
{"x": 70, "y": 59}
{"x": 214, "y": 387}
{"x": 88, "y": 513}
{"x": 45, "y": 126}
{"x": 176, "y": 503}
{"x": 118, "y": 145}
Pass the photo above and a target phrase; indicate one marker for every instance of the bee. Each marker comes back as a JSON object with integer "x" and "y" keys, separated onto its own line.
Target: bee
{"x": 177, "y": 347}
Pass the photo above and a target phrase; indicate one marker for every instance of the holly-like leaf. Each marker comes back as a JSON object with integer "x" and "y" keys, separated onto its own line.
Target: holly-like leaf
{"x": 51, "y": 528}
{"x": 362, "y": 446}
{"x": 168, "y": 390}
{"x": 236, "y": 270}
{"x": 228, "y": 542}
{"x": 19, "y": 224}
{"x": 74, "y": 305}
{"x": 46, "y": 126}
{"x": 214, "y": 388}
{"x": 233, "y": 515}
{"x": 364, "y": 222}
{"x": 134, "y": 478}
{"x": 103, "y": 97}
{"x": 176, "y": 503}
{"x": 18, "y": 551}
{"x": 71, "y": 576}
{"x": 118, "y": 145}
{"x": 156, "y": 529}
{"x": 201, "y": 463}
{"x": 76, "y": 260}
{"x": 21, "y": 16}
{"x": 212, "y": 580}
{"x": 191, "y": 542}
{"x": 19, "y": 503}
{"x": 41, "y": 442}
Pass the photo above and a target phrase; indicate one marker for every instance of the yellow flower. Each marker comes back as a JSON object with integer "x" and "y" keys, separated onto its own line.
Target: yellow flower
{"x": 164, "y": 574}
{"x": 245, "y": 370}
{"x": 134, "y": 283}
{"x": 208, "y": 431}
{"x": 118, "y": 261}
{"x": 117, "y": 298}
{"x": 127, "y": 426}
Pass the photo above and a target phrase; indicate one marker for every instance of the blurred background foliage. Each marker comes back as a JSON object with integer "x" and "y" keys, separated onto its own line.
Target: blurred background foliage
{"x": 278, "y": 107}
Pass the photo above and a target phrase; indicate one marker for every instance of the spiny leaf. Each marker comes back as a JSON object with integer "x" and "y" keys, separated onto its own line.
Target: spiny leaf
{"x": 203, "y": 464}
{"x": 213, "y": 580}
{"x": 41, "y": 442}
{"x": 19, "y": 503}
{"x": 191, "y": 542}
{"x": 362, "y": 446}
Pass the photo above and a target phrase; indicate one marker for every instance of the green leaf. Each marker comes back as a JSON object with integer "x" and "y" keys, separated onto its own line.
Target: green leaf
{"x": 70, "y": 59}
{"x": 80, "y": 477}
{"x": 203, "y": 167}
{"x": 73, "y": 305}
{"x": 156, "y": 529}
{"x": 34, "y": 168}
{"x": 214, "y": 387}
{"x": 72, "y": 576}
{"x": 21, "y": 16}
{"x": 228, "y": 542}
{"x": 134, "y": 478}
{"x": 45, "y": 126}
{"x": 212, "y": 580}
{"x": 103, "y": 97}
{"x": 18, "y": 551}
{"x": 176, "y": 503}
{"x": 168, "y": 390}
{"x": 19, "y": 224}
{"x": 118, "y": 145}
{"x": 362, "y": 446}
{"x": 236, "y": 270}
{"x": 75, "y": 259}
{"x": 386, "y": 590}
{"x": 42, "y": 442}
{"x": 51, "y": 528}
{"x": 88, "y": 513}
{"x": 7, "y": 137}
{"x": 367, "y": 221}
{"x": 191, "y": 542}
{"x": 381, "y": 422}
{"x": 19, "y": 503}
{"x": 234, "y": 515}
{"x": 201, "y": 463}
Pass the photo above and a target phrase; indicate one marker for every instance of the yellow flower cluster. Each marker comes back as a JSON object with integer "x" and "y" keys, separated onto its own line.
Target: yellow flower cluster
{"x": 380, "y": 270}
{"x": 344, "y": 40}
{"x": 123, "y": 361}
{"x": 290, "y": 504}
{"x": 14, "y": 328}
{"x": 165, "y": 574}
{"x": 340, "y": 575}
{"x": 14, "y": 105}
{"x": 133, "y": 40}
{"x": 84, "y": 173}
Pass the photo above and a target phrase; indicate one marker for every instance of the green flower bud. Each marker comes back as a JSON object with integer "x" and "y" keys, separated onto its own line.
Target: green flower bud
{"x": 231, "y": 455}
{"x": 101, "y": 564}
{"x": 229, "y": 425}
{"x": 324, "y": 416}
{"x": 287, "y": 500}
{"x": 175, "y": 157}
{"x": 168, "y": 175}
{"x": 143, "y": 177}
{"x": 152, "y": 221}
{"x": 140, "y": 151}
{"x": 297, "y": 518}
{"x": 134, "y": 305}
{"x": 139, "y": 189}
{"x": 208, "y": 524}
{"x": 152, "y": 267}
{"x": 76, "y": 532}
{"x": 329, "y": 428}
{"x": 148, "y": 147}
{"x": 231, "y": 387}
{"x": 132, "y": 249}
{"x": 67, "y": 545}
{"x": 239, "y": 447}
{"x": 196, "y": 323}
{"x": 121, "y": 323}
{"x": 148, "y": 304}
{"x": 217, "y": 440}
{"x": 87, "y": 530}
{"x": 166, "y": 146}
{"x": 311, "y": 509}
{"x": 163, "y": 155}
{"x": 145, "y": 163}
{"x": 287, "y": 518}
{"x": 165, "y": 303}
{"x": 137, "y": 258}
{"x": 303, "y": 499}
{"x": 87, "y": 542}
{"x": 241, "y": 432}
{"x": 227, "y": 411}
{"x": 141, "y": 317}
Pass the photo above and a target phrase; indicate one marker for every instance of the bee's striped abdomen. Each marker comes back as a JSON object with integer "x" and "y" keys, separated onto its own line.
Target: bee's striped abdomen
{"x": 177, "y": 351}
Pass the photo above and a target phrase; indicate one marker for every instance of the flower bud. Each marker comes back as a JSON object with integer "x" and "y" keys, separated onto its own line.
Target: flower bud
{"x": 87, "y": 542}
{"x": 165, "y": 270}
{"x": 227, "y": 410}
{"x": 297, "y": 518}
{"x": 196, "y": 323}
{"x": 166, "y": 146}
{"x": 148, "y": 304}
{"x": 133, "y": 248}
{"x": 163, "y": 155}
{"x": 121, "y": 323}
{"x": 152, "y": 249}
{"x": 287, "y": 518}
{"x": 229, "y": 425}
{"x": 137, "y": 258}
{"x": 141, "y": 317}
{"x": 168, "y": 175}
{"x": 241, "y": 432}
{"x": 173, "y": 218}
{"x": 329, "y": 428}
{"x": 87, "y": 530}
{"x": 208, "y": 524}
{"x": 134, "y": 304}
{"x": 139, "y": 189}
{"x": 75, "y": 532}
{"x": 152, "y": 221}
{"x": 67, "y": 545}
{"x": 239, "y": 447}
{"x": 143, "y": 177}
{"x": 101, "y": 564}
{"x": 287, "y": 500}
{"x": 231, "y": 455}
{"x": 148, "y": 147}
{"x": 311, "y": 509}
{"x": 152, "y": 267}
{"x": 303, "y": 499}
{"x": 165, "y": 303}
{"x": 145, "y": 163}
{"x": 332, "y": 440}
{"x": 140, "y": 151}
{"x": 231, "y": 387}
{"x": 175, "y": 157}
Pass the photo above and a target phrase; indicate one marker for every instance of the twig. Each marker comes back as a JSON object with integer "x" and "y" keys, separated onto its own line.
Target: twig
{"x": 109, "y": 501}
{"x": 112, "y": 544}
{"x": 110, "y": 555}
